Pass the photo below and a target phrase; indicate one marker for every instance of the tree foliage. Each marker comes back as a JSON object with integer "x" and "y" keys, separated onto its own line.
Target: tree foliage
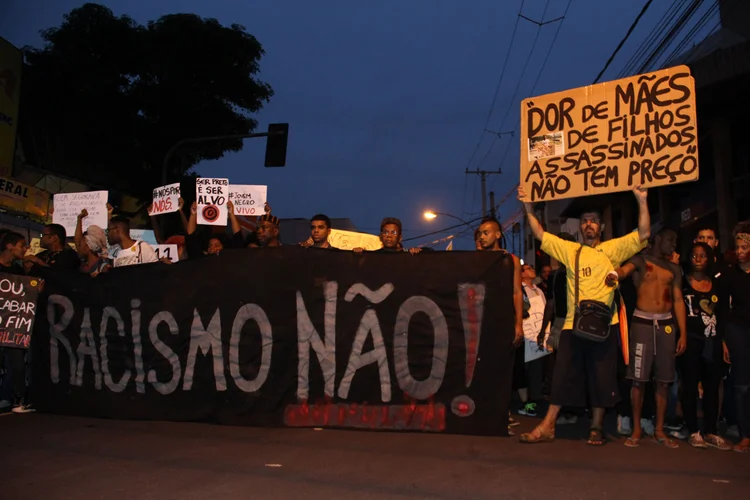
{"x": 106, "y": 97}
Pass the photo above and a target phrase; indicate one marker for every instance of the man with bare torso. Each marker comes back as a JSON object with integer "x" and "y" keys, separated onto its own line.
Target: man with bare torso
{"x": 655, "y": 340}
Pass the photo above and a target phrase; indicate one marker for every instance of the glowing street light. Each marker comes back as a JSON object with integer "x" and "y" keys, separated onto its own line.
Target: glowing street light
{"x": 430, "y": 215}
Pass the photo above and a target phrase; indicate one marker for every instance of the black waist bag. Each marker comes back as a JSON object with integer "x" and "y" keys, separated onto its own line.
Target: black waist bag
{"x": 592, "y": 318}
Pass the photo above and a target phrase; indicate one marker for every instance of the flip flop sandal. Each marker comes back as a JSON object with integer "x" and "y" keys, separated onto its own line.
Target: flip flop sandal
{"x": 667, "y": 442}
{"x": 632, "y": 442}
{"x": 741, "y": 449}
{"x": 596, "y": 437}
{"x": 536, "y": 436}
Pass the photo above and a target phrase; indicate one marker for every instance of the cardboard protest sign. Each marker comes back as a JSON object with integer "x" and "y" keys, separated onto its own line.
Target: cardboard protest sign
{"x": 349, "y": 240}
{"x": 211, "y": 196}
{"x": 166, "y": 199}
{"x": 610, "y": 137}
{"x": 18, "y": 296}
{"x": 69, "y": 205}
{"x": 168, "y": 251}
{"x": 248, "y": 200}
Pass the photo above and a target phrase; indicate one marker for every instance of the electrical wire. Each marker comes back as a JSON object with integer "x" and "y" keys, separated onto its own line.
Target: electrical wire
{"x": 645, "y": 67}
{"x": 624, "y": 39}
{"x": 468, "y": 223}
{"x": 651, "y": 38}
{"x": 536, "y": 81}
{"x": 497, "y": 87}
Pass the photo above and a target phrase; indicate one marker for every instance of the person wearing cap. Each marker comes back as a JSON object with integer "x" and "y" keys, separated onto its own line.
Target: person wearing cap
{"x": 268, "y": 230}
{"x": 586, "y": 370}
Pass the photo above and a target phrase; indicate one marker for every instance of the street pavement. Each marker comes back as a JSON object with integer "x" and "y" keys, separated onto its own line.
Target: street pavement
{"x": 55, "y": 457}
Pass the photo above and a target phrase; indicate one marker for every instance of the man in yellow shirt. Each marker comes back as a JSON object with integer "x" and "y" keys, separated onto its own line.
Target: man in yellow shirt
{"x": 584, "y": 366}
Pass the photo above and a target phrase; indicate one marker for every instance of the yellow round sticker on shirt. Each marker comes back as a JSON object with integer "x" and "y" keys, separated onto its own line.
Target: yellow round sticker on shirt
{"x": 33, "y": 282}
{"x": 668, "y": 329}
{"x": 714, "y": 299}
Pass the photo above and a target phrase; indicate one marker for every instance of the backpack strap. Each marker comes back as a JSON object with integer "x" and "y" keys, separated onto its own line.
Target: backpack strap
{"x": 578, "y": 259}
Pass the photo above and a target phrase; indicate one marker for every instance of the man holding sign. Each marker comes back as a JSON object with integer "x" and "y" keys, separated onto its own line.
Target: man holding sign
{"x": 588, "y": 347}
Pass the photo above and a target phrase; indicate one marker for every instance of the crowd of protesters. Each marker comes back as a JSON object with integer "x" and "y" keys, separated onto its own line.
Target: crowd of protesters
{"x": 675, "y": 348}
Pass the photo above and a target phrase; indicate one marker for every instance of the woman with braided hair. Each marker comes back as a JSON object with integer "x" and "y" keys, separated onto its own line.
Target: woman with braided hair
{"x": 734, "y": 324}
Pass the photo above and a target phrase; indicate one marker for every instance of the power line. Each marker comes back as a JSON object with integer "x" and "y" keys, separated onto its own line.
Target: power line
{"x": 492, "y": 104}
{"x": 652, "y": 37}
{"x": 444, "y": 229}
{"x": 539, "y": 75}
{"x": 690, "y": 36}
{"x": 670, "y": 36}
{"x": 624, "y": 39}
{"x": 497, "y": 87}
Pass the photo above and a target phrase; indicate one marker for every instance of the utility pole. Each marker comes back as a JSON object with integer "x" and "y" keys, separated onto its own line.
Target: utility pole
{"x": 483, "y": 175}
{"x": 492, "y": 204}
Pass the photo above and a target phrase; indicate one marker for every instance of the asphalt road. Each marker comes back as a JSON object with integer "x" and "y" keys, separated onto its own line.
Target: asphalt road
{"x": 54, "y": 457}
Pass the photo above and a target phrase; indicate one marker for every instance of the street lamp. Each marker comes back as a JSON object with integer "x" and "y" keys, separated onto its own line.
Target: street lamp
{"x": 429, "y": 215}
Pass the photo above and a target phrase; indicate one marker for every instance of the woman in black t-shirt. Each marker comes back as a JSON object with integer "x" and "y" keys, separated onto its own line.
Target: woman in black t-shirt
{"x": 703, "y": 356}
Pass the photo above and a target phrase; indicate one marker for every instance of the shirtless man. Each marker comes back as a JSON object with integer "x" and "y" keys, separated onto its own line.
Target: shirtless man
{"x": 654, "y": 341}
{"x": 489, "y": 238}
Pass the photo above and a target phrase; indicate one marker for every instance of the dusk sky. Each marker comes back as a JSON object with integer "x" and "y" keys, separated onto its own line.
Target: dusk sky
{"x": 386, "y": 100}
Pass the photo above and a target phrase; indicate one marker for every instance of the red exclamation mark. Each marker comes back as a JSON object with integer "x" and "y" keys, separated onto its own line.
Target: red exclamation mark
{"x": 471, "y": 301}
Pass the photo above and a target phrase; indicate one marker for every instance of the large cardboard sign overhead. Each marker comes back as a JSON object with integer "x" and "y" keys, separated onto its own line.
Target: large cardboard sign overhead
{"x": 610, "y": 137}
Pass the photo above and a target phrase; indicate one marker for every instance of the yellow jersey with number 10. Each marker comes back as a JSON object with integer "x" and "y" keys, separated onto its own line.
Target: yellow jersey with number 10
{"x": 594, "y": 265}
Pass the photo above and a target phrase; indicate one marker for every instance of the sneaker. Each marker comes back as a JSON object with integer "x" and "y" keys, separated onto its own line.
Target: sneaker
{"x": 696, "y": 441}
{"x": 733, "y": 431}
{"x": 673, "y": 425}
{"x": 623, "y": 426}
{"x": 512, "y": 422}
{"x": 717, "y": 442}
{"x": 647, "y": 426}
{"x": 4, "y": 403}
{"x": 567, "y": 419}
{"x": 529, "y": 409}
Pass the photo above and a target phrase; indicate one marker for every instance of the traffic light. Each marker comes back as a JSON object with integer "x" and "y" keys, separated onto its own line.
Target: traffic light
{"x": 278, "y": 133}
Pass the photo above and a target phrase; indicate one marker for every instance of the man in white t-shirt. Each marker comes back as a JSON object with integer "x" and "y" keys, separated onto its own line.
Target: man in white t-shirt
{"x": 132, "y": 252}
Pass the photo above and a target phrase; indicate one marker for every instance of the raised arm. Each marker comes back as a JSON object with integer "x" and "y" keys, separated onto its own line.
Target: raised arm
{"x": 78, "y": 236}
{"x": 534, "y": 224}
{"x": 155, "y": 225}
{"x": 193, "y": 221}
{"x": 180, "y": 204}
{"x": 644, "y": 218}
{"x": 233, "y": 221}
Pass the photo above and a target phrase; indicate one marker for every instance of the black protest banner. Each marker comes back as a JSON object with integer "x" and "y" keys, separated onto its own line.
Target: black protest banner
{"x": 286, "y": 337}
{"x": 610, "y": 137}
{"x": 18, "y": 298}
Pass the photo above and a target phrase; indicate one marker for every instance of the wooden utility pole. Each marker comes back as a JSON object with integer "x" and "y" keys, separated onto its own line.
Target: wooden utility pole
{"x": 483, "y": 175}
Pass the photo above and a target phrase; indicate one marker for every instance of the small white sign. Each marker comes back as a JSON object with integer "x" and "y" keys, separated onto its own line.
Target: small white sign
{"x": 166, "y": 199}
{"x": 69, "y": 205}
{"x": 211, "y": 197}
{"x": 168, "y": 251}
{"x": 248, "y": 200}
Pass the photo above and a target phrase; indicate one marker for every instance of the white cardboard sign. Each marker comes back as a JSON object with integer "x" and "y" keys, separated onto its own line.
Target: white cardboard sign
{"x": 168, "y": 251}
{"x": 211, "y": 195}
{"x": 248, "y": 200}
{"x": 69, "y": 205}
{"x": 166, "y": 199}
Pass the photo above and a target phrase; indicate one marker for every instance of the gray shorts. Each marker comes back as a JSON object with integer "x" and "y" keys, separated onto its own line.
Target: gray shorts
{"x": 653, "y": 342}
